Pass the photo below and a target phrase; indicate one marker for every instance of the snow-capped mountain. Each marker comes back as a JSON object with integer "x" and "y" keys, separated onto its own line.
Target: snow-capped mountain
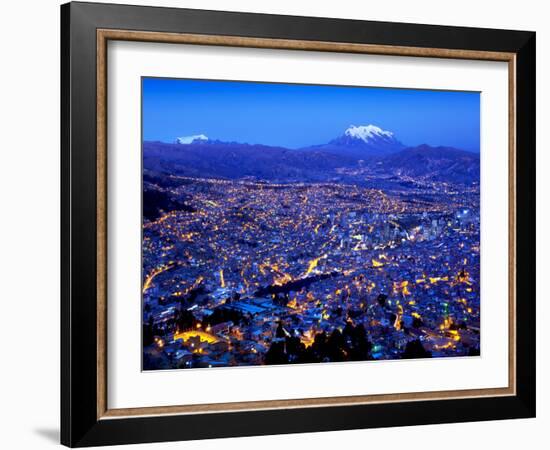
{"x": 367, "y": 132}
{"x": 192, "y": 139}
{"x": 362, "y": 141}
{"x": 369, "y": 138}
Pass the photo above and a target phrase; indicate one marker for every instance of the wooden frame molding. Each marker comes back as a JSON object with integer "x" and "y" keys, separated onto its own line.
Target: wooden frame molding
{"x": 103, "y": 36}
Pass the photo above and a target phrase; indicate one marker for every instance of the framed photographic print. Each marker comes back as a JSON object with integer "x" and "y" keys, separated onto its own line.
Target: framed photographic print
{"x": 276, "y": 224}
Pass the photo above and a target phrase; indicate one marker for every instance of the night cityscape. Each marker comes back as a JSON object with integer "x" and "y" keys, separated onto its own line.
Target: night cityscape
{"x": 361, "y": 248}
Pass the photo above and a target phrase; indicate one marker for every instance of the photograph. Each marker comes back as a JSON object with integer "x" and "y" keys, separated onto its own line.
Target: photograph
{"x": 305, "y": 223}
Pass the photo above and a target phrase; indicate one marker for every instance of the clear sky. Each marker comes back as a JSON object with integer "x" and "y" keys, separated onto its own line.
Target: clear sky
{"x": 293, "y": 115}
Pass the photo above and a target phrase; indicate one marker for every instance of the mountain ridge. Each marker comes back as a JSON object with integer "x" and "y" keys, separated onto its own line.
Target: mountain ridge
{"x": 441, "y": 162}
{"x": 235, "y": 161}
{"x": 359, "y": 151}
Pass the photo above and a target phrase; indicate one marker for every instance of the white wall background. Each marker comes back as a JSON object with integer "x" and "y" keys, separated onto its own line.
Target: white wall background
{"x": 29, "y": 225}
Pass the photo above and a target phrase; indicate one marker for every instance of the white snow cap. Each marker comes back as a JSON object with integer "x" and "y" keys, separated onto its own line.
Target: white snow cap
{"x": 365, "y": 132}
{"x": 190, "y": 139}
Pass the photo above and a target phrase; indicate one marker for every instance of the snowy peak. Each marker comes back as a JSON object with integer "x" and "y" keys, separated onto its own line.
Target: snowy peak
{"x": 192, "y": 139}
{"x": 365, "y": 140}
{"x": 367, "y": 132}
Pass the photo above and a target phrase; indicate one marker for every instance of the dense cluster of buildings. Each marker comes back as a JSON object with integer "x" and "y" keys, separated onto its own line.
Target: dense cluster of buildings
{"x": 265, "y": 273}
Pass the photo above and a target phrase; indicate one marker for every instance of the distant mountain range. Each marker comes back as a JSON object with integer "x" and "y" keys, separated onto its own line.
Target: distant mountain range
{"x": 438, "y": 163}
{"x": 358, "y": 151}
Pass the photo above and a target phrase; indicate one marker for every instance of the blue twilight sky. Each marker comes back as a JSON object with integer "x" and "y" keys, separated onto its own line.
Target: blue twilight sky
{"x": 293, "y": 115}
